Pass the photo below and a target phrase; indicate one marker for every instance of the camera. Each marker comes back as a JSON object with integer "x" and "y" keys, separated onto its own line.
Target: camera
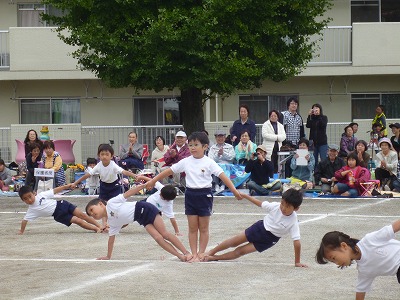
{"x": 255, "y": 153}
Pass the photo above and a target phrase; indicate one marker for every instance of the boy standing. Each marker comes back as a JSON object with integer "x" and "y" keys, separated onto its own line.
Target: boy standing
{"x": 41, "y": 205}
{"x": 198, "y": 194}
{"x": 163, "y": 199}
{"x": 280, "y": 220}
{"x": 119, "y": 212}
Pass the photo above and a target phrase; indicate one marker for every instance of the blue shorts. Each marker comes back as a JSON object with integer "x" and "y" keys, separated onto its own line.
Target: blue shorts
{"x": 198, "y": 202}
{"x": 145, "y": 213}
{"x": 109, "y": 190}
{"x": 261, "y": 238}
{"x": 64, "y": 212}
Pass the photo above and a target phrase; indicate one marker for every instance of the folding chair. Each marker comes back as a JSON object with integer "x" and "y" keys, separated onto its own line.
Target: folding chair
{"x": 369, "y": 186}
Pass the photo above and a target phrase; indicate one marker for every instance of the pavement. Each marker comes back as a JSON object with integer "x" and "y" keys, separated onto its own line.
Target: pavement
{"x": 52, "y": 261}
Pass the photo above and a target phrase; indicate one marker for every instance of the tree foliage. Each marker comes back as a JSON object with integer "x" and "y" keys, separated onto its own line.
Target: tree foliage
{"x": 220, "y": 45}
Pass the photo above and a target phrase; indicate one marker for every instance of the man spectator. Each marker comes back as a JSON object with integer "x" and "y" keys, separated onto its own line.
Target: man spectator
{"x": 221, "y": 153}
{"x": 261, "y": 171}
{"x": 175, "y": 153}
{"x": 354, "y": 125}
{"x": 325, "y": 170}
{"x": 395, "y": 139}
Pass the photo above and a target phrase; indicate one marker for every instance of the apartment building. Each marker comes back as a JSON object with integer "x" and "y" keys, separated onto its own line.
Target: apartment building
{"x": 356, "y": 68}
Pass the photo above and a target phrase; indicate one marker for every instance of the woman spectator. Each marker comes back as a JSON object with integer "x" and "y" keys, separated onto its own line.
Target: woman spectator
{"x": 386, "y": 164}
{"x": 53, "y": 160}
{"x": 245, "y": 148}
{"x": 317, "y": 123}
{"x": 273, "y": 134}
{"x": 350, "y": 178}
{"x": 362, "y": 154}
{"x": 244, "y": 123}
{"x": 158, "y": 153}
{"x": 347, "y": 142}
{"x": 32, "y": 161}
{"x": 131, "y": 154}
{"x": 395, "y": 139}
{"x": 32, "y": 137}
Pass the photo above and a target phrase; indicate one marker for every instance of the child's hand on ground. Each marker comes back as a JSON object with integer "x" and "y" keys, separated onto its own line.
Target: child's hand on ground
{"x": 300, "y": 265}
{"x": 20, "y": 232}
{"x": 103, "y": 258}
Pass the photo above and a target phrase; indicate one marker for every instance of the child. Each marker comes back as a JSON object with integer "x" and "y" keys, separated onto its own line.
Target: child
{"x": 108, "y": 171}
{"x": 376, "y": 254}
{"x": 198, "y": 194}
{"x": 303, "y": 173}
{"x": 5, "y": 176}
{"x": 163, "y": 199}
{"x": 119, "y": 213}
{"x": 93, "y": 182}
{"x": 350, "y": 177}
{"x": 41, "y": 205}
{"x": 280, "y": 220}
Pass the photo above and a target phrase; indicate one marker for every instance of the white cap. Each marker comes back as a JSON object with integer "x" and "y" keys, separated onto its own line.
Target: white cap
{"x": 181, "y": 133}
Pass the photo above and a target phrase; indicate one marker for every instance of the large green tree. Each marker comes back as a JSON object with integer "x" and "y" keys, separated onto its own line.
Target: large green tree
{"x": 220, "y": 46}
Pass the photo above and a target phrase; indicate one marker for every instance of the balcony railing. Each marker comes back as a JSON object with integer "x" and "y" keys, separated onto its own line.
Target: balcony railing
{"x": 4, "y": 50}
{"x": 333, "y": 46}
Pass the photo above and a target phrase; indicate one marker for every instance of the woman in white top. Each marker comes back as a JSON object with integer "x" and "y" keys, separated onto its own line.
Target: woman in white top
{"x": 386, "y": 164}
{"x": 273, "y": 134}
{"x": 158, "y": 153}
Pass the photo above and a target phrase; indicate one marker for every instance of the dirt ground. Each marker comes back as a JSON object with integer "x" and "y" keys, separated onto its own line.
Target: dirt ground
{"x": 52, "y": 261}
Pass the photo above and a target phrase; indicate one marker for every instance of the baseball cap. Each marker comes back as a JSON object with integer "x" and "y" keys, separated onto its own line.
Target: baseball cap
{"x": 262, "y": 147}
{"x": 397, "y": 125}
{"x": 181, "y": 133}
{"x": 333, "y": 147}
{"x": 219, "y": 132}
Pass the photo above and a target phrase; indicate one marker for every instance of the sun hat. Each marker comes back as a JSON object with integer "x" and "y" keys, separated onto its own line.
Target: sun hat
{"x": 181, "y": 133}
{"x": 385, "y": 140}
{"x": 262, "y": 147}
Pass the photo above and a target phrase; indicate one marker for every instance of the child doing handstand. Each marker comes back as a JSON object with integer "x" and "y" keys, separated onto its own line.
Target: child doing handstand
{"x": 376, "y": 254}
{"x": 163, "y": 199}
{"x": 280, "y": 220}
{"x": 41, "y": 205}
{"x": 198, "y": 194}
{"x": 120, "y": 212}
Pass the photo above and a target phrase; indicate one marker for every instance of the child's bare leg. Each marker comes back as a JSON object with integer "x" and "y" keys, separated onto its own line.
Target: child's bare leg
{"x": 163, "y": 243}
{"x": 204, "y": 229}
{"x": 193, "y": 222}
{"x": 84, "y": 224}
{"x": 238, "y": 252}
{"x": 80, "y": 214}
{"x": 229, "y": 243}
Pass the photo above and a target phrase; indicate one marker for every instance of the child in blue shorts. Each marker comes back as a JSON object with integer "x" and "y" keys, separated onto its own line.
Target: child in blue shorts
{"x": 198, "y": 194}
{"x": 280, "y": 220}
{"x": 41, "y": 205}
{"x": 119, "y": 212}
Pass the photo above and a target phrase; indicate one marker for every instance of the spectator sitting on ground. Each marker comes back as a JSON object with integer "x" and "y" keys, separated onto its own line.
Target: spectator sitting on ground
{"x": 5, "y": 176}
{"x": 245, "y": 148}
{"x": 350, "y": 178}
{"x": 362, "y": 154}
{"x": 158, "y": 153}
{"x": 395, "y": 139}
{"x": 303, "y": 173}
{"x": 325, "y": 170}
{"x": 386, "y": 164}
{"x": 221, "y": 153}
{"x": 261, "y": 171}
{"x": 130, "y": 154}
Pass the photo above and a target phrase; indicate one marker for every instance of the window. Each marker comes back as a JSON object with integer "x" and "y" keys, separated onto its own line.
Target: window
{"x": 261, "y": 105}
{"x": 157, "y": 111}
{"x": 29, "y": 15}
{"x": 363, "y": 105}
{"x": 375, "y": 11}
{"x": 50, "y": 111}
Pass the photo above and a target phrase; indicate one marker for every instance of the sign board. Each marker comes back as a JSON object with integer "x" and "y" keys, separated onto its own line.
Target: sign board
{"x": 41, "y": 172}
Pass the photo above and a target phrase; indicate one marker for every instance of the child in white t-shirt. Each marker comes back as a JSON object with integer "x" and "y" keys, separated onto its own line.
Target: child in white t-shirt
{"x": 41, "y": 205}
{"x": 163, "y": 199}
{"x": 93, "y": 182}
{"x": 198, "y": 194}
{"x": 376, "y": 254}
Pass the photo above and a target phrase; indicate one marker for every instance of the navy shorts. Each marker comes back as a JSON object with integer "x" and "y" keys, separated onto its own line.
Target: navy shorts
{"x": 64, "y": 212}
{"x": 145, "y": 213}
{"x": 109, "y": 190}
{"x": 261, "y": 238}
{"x": 198, "y": 202}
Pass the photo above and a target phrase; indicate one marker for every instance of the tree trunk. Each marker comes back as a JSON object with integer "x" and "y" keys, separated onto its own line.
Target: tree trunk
{"x": 192, "y": 110}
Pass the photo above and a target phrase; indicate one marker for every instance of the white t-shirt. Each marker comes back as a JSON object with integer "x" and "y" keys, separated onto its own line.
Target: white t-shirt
{"x": 119, "y": 213}
{"x": 166, "y": 207}
{"x": 42, "y": 207}
{"x": 279, "y": 224}
{"x": 93, "y": 181}
{"x": 107, "y": 174}
{"x": 198, "y": 171}
{"x": 380, "y": 256}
